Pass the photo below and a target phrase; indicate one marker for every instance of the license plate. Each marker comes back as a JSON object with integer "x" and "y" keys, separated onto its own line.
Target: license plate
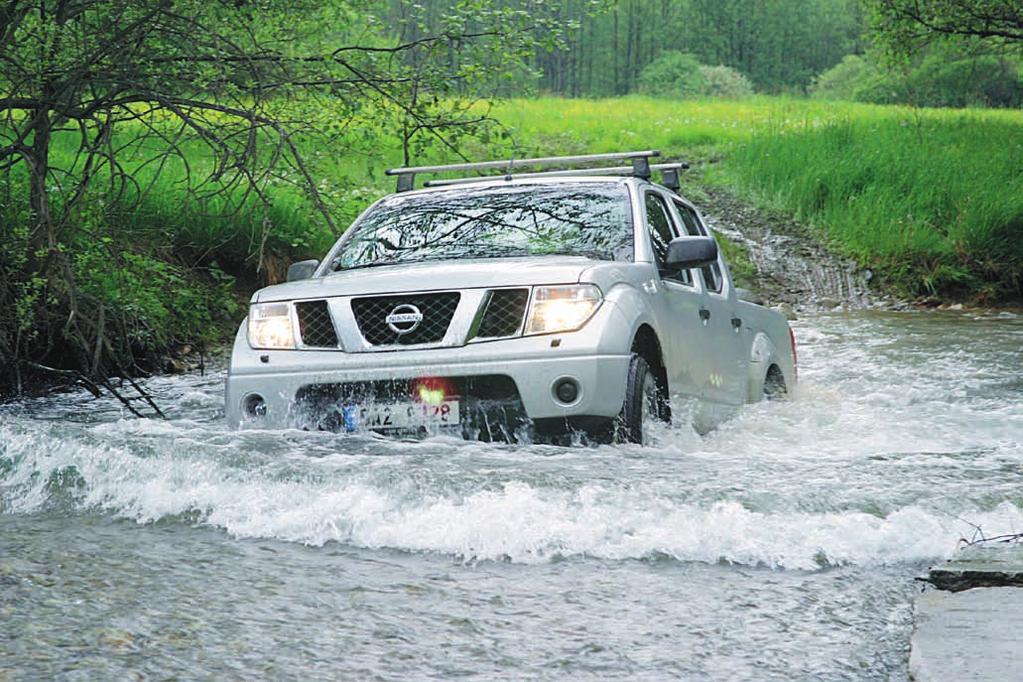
{"x": 399, "y": 415}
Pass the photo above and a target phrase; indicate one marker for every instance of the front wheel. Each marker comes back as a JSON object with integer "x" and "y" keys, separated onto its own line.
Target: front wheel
{"x": 644, "y": 403}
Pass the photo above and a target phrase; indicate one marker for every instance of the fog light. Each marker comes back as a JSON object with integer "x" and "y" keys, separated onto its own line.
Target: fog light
{"x": 255, "y": 405}
{"x": 566, "y": 390}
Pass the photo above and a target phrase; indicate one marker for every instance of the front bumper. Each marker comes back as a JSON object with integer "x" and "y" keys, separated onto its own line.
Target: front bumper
{"x": 534, "y": 364}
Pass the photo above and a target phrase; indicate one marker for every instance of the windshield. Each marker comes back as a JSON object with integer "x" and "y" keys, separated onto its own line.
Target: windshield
{"x": 575, "y": 219}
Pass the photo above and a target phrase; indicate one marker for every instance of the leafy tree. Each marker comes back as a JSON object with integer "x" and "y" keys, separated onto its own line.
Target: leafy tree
{"x": 677, "y": 74}
{"x": 943, "y": 80}
{"x": 777, "y": 44}
{"x": 218, "y": 93}
{"x": 904, "y": 25}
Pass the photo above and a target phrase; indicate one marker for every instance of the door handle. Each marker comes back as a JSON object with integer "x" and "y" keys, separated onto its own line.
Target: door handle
{"x": 737, "y": 323}
{"x": 704, "y": 314}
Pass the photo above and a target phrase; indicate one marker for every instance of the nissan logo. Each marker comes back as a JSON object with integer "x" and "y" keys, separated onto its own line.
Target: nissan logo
{"x": 404, "y": 319}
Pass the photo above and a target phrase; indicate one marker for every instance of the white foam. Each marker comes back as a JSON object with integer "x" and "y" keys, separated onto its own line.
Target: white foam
{"x": 514, "y": 521}
{"x": 900, "y": 436}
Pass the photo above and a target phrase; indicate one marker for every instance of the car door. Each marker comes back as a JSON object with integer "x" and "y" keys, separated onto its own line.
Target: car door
{"x": 726, "y": 358}
{"x": 683, "y": 338}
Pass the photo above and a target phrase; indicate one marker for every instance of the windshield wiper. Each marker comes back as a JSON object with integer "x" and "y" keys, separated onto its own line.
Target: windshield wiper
{"x": 381, "y": 264}
{"x": 595, "y": 254}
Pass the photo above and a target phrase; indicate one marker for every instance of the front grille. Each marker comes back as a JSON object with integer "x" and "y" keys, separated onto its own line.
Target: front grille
{"x": 503, "y": 316}
{"x": 437, "y": 311}
{"x": 315, "y": 325}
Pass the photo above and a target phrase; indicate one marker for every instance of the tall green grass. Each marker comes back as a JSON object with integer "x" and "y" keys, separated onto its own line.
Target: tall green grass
{"x": 935, "y": 201}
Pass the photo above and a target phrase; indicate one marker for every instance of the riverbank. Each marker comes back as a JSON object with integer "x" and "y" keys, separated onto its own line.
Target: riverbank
{"x": 851, "y": 227}
{"x": 929, "y": 200}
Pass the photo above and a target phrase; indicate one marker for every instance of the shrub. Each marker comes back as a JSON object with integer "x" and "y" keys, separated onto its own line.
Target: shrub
{"x": 942, "y": 78}
{"x": 986, "y": 80}
{"x": 842, "y": 81}
{"x": 724, "y": 81}
{"x": 680, "y": 74}
{"x": 675, "y": 74}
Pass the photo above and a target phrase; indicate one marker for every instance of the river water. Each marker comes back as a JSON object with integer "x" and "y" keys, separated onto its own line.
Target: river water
{"x": 784, "y": 545}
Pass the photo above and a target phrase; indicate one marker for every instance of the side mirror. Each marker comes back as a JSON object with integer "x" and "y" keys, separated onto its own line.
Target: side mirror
{"x": 303, "y": 269}
{"x": 692, "y": 252}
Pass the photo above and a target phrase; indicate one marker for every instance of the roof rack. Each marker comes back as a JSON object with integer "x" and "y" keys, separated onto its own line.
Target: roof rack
{"x": 669, "y": 175}
{"x": 640, "y": 168}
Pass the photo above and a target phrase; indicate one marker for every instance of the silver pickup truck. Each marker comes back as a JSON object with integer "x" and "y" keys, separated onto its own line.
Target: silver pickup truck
{"x": 522, "y": 306}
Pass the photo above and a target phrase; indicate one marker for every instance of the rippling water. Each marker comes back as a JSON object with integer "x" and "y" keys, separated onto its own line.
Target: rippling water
{"x": 782, "y": 546}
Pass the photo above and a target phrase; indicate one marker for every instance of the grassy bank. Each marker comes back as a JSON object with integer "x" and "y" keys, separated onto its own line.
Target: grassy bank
{"x": 931, "y": 200}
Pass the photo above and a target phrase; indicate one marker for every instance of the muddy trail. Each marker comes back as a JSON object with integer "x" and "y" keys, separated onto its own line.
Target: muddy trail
{"x": 793, "y": 268}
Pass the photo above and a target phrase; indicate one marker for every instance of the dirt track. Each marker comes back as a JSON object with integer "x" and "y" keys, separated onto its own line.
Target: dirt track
{"x": 792, "y": 266}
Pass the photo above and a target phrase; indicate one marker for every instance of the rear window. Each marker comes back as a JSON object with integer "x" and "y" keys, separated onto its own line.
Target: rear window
{"x": 575, "y": 219}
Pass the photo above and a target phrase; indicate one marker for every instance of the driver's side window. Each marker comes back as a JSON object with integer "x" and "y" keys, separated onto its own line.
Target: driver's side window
{"x": 659, "y": 226}
{"x": 712, "y": 278}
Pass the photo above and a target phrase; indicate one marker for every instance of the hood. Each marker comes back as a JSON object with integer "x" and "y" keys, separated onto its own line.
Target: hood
{"x": 434, "y": 276}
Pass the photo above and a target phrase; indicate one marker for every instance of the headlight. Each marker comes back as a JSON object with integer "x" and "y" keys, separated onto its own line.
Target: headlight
{"x": 270, "y": 326}
{"x": 562, "y": 309}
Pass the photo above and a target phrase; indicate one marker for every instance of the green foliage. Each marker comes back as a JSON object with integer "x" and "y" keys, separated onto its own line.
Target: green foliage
{"x": 845, "y": 80}
{"x": 129, "y": 182}
{"x": 986, "y": 81}
{"x": 779, "y": 45}
{"x": 941, "y": 78}
{"x": 681, "y": 76}
{"x": 930, "y": 202}
{"x": 158, "y": 303}
{"x": 724, "y": 81}
{"x": 903, "y": 26}
{"x": 673, "y": 74}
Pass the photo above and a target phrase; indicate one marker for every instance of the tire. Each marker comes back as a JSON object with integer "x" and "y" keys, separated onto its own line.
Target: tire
{"x": 644, "y": 401}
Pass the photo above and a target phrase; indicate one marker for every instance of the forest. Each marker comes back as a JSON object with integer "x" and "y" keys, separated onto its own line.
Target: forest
{"x": 159, "y": 161}
{"x": 824, "y": 48}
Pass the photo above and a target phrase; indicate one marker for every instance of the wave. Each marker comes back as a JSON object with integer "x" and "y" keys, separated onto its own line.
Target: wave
{"x": 171, "y": 477}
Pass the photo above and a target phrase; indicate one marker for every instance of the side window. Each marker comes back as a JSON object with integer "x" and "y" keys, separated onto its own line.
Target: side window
{"x": 658, "y": 222}
{"x": 711, "y": 273}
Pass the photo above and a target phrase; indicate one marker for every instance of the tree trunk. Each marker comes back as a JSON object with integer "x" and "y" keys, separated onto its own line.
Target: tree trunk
{"x": 43, "y": 232}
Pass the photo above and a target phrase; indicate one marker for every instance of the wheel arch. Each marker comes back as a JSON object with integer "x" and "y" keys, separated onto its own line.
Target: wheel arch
{"x": 647, "y": 345}
{"x": 763, "y": 356}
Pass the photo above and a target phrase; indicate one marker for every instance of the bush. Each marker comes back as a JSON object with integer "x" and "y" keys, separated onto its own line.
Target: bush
{"x": 674, "y": 74}
{"x": 724, "y": 81}
{"x": 986, "y": 80}
{"x": 843, "y": 80}
{"x": 942, "y": 78}
{"x": 680, "y": 74}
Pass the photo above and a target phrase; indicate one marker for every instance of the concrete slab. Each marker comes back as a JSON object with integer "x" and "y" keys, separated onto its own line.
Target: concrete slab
{"x": 968, "y": 636}
{"x": 983, "y": 565}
